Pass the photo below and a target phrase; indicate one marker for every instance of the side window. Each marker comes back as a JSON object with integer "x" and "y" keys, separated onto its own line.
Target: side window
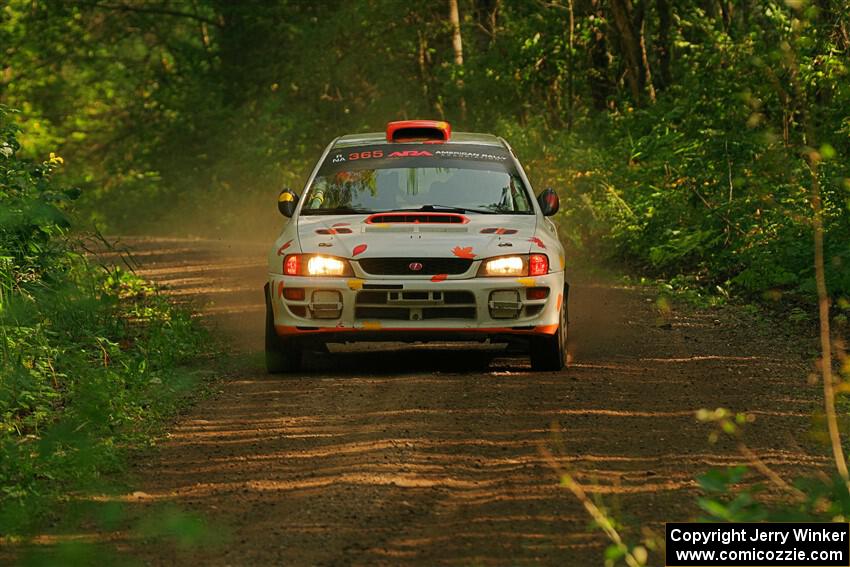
{"x": 520, "y": 197}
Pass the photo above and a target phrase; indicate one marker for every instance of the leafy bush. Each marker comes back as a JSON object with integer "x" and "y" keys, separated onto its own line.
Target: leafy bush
{"x": 88, "y": 355}
{"x": 697, "y": 192}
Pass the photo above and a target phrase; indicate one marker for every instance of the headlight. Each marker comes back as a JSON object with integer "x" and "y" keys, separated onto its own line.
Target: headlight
{"x": 315, "y": 265}
{"x": 504, "y": 266}
{"x": 521, "y": 265}
{"x": 325, "y": 266}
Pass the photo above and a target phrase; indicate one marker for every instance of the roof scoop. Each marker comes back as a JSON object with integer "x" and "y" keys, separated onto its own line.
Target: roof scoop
{"x": 419, "y": 131}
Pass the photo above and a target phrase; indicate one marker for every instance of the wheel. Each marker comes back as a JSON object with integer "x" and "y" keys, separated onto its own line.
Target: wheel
{"x": 549, "y": 352}
{"x": 281, "y": 355}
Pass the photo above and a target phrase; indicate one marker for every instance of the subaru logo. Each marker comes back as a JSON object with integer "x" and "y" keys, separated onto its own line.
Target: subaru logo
{"x": 415, "y": 266}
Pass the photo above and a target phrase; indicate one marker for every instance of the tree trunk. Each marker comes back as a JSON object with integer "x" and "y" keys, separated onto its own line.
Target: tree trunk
{"x": 571, "y": 68}
{"x": 457, "y": 46}
{"x": 710, "y": 8}
{"x": 728, "y": 12}
{"x": 599, "y": 83}
{"x": 621, "y": 10}
{"x": 493, "y": 18}
{"x": 424, "y": 75}
{"x": 487, "y": 12}
{"x": 650, "y": 88}
{"x": 664, "y": 45}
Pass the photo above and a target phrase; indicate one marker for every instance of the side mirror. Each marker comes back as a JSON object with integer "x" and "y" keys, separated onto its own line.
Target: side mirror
{"x": 286, "y": 202}
{"x": 549, "y": 202}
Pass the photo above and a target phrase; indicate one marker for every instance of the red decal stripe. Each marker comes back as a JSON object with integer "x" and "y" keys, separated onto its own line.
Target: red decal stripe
{"x": 539, "y": 330}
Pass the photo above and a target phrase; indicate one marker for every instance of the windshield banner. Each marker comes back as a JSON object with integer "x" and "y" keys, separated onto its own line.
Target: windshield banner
{"x": 392, "y": 156}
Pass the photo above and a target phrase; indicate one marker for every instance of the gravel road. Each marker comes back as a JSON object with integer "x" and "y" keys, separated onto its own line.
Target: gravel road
{"x": 427, "y": 456}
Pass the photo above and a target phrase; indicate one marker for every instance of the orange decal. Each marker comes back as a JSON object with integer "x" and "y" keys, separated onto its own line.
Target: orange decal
{"x": 283, "y": 247}
{"x": 563, "y": 261}
{"x": 465, "y": 252}
{"x": 538, "y": 242}
{"x": 540, "y": 329}
{"x": 439, "y": 277}
{"x": 558, "y": 303}
{"x": 527, "y": 282}
{"x": 359, "y": 249}
{"x": 280, "y": 288}
{"x": 371, "y": 325}
{"x": 546, "y": 329}
{"x": 354, "y": 285}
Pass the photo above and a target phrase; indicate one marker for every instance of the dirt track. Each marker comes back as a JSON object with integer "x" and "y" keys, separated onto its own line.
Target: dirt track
{"x": 430, "y": 456}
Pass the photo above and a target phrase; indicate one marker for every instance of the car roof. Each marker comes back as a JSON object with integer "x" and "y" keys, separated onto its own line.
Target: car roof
{"x": 367, "y": 138}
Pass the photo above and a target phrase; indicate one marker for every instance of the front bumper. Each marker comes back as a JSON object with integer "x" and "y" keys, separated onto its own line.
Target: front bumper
{"x": 355, "y": 309}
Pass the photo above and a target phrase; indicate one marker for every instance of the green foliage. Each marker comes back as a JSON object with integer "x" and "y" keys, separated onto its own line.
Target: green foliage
{"x": 203, "y": 113}
{"x": 723, "y": 504}
{"x": 733, "y": 497}
{"x": 89, "y": 356}
{"x": 711, "y": 180}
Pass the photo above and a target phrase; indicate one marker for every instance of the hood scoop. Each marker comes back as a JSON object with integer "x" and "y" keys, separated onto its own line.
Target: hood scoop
{"x": 414, "y": 228}
{"x": 414, "y": 217}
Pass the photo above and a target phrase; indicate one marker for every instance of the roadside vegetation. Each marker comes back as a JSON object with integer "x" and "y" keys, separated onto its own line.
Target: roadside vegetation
{"x": 674, "y": 131}
{"x": 92, "y": 358}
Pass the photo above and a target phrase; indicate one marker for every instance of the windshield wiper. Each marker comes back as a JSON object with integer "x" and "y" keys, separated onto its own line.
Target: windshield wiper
{"x": 447, "y": 208}
{"x": 337, "y": 211}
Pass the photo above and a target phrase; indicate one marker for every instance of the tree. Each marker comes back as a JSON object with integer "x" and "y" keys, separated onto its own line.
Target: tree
{"x": 457, "y": 47}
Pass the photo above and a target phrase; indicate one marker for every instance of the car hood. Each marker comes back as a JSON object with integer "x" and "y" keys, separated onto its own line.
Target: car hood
{"x": 480, "y": 236}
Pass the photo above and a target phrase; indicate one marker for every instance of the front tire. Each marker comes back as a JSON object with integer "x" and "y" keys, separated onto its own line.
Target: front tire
{"x": 281, "y": 355}
{"x": 549, "y": 352}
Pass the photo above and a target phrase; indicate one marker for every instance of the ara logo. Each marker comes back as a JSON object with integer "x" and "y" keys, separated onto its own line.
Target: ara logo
{"x": 412, "y": 153}
{"x": 338, "y": 158}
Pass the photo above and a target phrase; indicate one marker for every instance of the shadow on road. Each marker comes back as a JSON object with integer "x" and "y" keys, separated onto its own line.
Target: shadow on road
{"x": 425, "y": 455}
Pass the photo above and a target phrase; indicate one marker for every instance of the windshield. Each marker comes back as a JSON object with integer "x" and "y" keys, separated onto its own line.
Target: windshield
{"x": 379, "y": 190}
{"x": 428, "y": 179}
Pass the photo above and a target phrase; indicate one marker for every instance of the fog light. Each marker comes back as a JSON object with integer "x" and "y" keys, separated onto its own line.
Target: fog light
{"x": 326, "y": 304}
{"x": 534, "y": 293}
{"x": 294, "y": 293}
{"x": 504, "y": 304}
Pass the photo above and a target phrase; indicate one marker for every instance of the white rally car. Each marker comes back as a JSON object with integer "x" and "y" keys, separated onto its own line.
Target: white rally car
{"x": 417, "y": 234}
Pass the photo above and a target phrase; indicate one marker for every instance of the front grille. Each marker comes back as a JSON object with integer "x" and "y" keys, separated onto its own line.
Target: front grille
{"x": 394, "y": 313}
{"x": 423, "y": 298}
{"x": 414, "y": 305}
{"x": 401, "y": 266}
{"x": 448, "y": 313}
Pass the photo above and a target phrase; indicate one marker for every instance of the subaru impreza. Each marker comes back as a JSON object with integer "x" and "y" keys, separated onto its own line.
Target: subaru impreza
{"x": 417, "y": 234}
